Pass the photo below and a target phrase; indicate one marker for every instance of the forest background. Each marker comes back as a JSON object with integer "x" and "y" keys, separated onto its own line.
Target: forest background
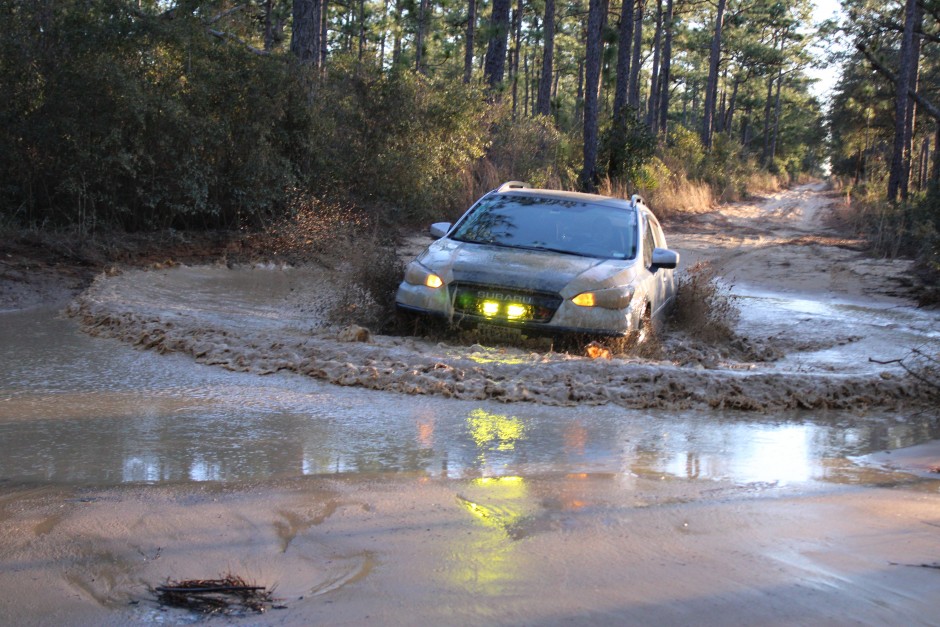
{"x": 147, "y": 115}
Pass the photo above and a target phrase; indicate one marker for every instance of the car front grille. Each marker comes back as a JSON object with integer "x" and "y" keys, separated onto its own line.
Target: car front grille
{"x": 504, "y": 304}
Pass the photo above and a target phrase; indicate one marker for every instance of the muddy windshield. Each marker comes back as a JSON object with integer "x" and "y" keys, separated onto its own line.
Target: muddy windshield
{"x": 558, "y": 225}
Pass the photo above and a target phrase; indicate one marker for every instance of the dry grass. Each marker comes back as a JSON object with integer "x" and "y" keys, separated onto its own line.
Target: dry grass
{"x": 680, "y": 195}
{"x": 705, "y": 307}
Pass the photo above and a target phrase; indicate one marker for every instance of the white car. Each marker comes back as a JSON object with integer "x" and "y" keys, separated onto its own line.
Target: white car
{"x": 546, "y": 261}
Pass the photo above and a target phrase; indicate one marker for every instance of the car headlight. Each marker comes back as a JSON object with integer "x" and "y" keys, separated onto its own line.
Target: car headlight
{"x": 416, "y": 274}
{"x": 610, "y": 298}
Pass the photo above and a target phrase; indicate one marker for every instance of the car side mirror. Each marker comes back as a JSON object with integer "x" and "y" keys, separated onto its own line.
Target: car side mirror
{"x": 665, "y": 258}
{"x": 439, "y": 229}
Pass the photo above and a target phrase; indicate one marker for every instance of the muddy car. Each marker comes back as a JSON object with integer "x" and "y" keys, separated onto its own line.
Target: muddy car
{"x": 546, "y": 261}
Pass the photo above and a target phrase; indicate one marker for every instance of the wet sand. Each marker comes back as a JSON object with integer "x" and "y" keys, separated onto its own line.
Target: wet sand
{"x": 400, "y": 550}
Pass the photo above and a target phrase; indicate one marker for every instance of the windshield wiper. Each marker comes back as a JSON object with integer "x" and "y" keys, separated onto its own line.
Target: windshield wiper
{"x": 546, "y": 249}
{"x": 553, "y": 250}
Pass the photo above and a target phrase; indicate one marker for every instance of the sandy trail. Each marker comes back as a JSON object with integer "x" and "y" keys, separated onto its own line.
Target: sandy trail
{"x": 267, "y": 319}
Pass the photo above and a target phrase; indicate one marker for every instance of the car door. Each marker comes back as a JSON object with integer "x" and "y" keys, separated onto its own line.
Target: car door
{"x": 659, "y": 281}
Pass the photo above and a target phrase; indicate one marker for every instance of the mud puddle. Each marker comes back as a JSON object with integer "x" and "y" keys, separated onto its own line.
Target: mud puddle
{"x": 76, "y": 409}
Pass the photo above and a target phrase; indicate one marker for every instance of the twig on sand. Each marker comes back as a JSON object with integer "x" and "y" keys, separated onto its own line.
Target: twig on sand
{"x": 886, "y": 362}
{"x": 227, "y": 595}
{"x": 931, "y": 565}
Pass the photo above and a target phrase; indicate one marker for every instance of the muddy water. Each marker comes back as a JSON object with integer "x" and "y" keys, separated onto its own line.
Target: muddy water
{"x": 826, "y": 333}
{"x": 77, "y": 409}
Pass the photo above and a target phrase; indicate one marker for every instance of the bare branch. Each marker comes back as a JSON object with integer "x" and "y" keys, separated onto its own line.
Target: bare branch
{"x": 225, "y": 14}
{"x": 931, "y": 108}
{"x": 223, "y": 35}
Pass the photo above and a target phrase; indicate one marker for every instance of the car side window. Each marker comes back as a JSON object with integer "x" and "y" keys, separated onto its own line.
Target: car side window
{"x": 658, "y": 236}
{"x": 649, "y": 243}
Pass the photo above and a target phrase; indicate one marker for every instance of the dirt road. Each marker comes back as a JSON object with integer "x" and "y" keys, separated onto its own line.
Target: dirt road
{"x": 783, "y": 243}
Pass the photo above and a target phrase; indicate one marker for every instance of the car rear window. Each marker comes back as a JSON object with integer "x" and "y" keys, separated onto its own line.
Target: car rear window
{"x": 558, "y": 225}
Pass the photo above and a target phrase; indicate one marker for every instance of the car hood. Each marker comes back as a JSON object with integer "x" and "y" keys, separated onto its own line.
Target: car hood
{"x": 537, "y": 270}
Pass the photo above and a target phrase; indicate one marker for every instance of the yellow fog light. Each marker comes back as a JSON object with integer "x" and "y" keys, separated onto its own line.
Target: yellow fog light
{"x": 433, "y": 281}
{"x": 584, "y": 300}
{"x": 514, "y": 312}
{"x": 489, "y": 308}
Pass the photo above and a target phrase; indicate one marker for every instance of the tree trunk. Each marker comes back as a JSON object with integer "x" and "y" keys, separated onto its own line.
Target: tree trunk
{"x": 773, "y": 141}
{"x": 362, "y": 28}
{"x": 592, "y": 75}
{"x": 765, "y": 153}
{"x": 303, "y": 39}
{"x": 495, "y": 64}
{"x": 653, "y": 104}
{"x": 324, "y": 22}
{"x": 935, "y": 172}
{"x": 746, "y": 128}
{"x": 579, "y": 97}
{"x": 384, "y": 33}
{"x": 424, "y": 14}
{"x": 544, "y": 105}
{"x": 711, "y": 89}
{"x": 555, "y": 87}
{"x": 922, "y": 164}
{"x": 729, "y": 115}
{"x": 634, "y": 96}
{"x": 896, "y": 177}
{"x": 468, "y": 44}
{"x": 268, "y": 26}
{"x": 664, "y": 72}
{"x": 396, "y": 44}
{"x": 719, "y": 123}
{"x": 514, "y": 57}
{"x": 624, "y": 50}
{"x": 528, "y": 80}
{"x": 912, "y": 104}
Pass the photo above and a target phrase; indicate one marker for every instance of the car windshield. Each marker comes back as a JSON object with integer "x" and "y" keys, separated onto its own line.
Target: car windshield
{"x": 560, "y": 225}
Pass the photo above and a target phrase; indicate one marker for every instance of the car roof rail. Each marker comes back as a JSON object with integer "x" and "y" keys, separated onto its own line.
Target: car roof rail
{"x": 636, "y": 199}
{"x": 508, "y": 185}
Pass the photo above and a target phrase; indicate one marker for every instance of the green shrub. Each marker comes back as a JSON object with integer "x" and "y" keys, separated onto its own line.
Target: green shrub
{"x": 626, "y": 145}
{"x": 140, "y": 122}
{"x": 400, "y": 140}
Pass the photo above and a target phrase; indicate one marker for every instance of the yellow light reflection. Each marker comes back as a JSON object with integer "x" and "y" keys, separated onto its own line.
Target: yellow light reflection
{"x": 495, "y": 357}
{"x": 433, "y": 281}
{"x": 486, "y": 561}
{"x": 489, "y": 308}
{"x": 488, "y": 429}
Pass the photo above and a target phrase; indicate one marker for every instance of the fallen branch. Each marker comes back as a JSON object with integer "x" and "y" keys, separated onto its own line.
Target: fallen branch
{"x": 228, "y": 595}
{"x": 885, "y": 363}
{"x": 208, "y": 589}
{"x": 932, "y": 565}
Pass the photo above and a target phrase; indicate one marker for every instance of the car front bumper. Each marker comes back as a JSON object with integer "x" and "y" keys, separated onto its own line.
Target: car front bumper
{"x": 568, "y": 318}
